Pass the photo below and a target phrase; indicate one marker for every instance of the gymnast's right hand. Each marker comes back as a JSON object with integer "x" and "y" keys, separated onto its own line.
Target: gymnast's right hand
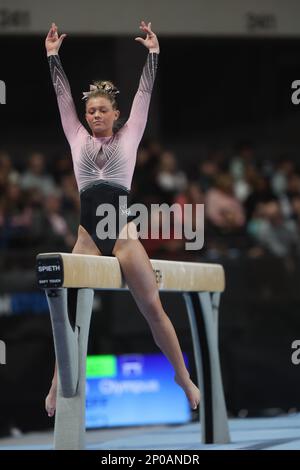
{"x": 53, "y": 41}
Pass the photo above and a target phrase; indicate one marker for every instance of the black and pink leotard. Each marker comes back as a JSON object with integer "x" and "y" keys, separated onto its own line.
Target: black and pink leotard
{"x": 103, "y": 166}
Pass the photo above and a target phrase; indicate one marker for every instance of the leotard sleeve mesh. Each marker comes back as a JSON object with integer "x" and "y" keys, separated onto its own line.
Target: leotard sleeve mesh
{"x": 137, "y": 120}
{"x": 69, "y": 119}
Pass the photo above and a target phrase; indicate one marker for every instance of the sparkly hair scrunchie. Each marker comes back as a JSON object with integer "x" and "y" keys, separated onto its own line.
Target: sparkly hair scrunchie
{"x": 104, "y": 87}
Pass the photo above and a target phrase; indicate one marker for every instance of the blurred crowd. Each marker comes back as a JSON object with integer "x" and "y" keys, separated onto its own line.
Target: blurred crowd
{"x": 251, "y": 207}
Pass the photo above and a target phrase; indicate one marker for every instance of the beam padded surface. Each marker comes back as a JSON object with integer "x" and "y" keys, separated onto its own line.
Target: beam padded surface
{"x": 103, "y": 272}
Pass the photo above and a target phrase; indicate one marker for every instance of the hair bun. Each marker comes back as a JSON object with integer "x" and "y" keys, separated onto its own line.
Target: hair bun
{"x": 103, "y": 86}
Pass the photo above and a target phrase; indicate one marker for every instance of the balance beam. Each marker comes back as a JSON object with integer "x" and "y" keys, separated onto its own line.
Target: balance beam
{"x": 69, "y": 281}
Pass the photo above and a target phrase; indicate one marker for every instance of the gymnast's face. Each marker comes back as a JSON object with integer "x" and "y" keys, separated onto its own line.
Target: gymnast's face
{"x": 100, "y": 116}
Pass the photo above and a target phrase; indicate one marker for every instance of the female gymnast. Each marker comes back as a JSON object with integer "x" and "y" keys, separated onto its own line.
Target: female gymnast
{"x": 103, "y": 165}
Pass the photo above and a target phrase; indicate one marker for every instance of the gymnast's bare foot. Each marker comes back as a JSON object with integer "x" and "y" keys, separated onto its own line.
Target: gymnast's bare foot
{"x": 192, "y": 392}
{"x": 50, "y": 402}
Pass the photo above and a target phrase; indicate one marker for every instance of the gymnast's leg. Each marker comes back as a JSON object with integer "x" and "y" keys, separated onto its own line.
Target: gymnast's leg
{"x": 83, "y": 246}
{"x": 139, "y": 276}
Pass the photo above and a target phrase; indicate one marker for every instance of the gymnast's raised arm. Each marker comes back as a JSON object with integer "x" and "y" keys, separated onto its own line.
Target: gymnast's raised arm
{"x": 139, "y": 111}
{"x": 68, "y": 114}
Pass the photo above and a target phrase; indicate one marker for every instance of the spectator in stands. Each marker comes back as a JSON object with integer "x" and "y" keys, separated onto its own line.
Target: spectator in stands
{"x": 225, "y": 228}
{"x": 293, "y": 184}
{"x": 63, "y": 166}
{"x": 192, "y": 195}
{"x": 35, "y": 176}
{"x": 288, "y": 192}
{"x": 144, "y": 187}
{"x": 261, "y": 192}
{"x": 70, "y": 202}
{"x": 241, "y": 166}
{"x": 222, "y": 208}
{"x": 208, "y": 170}
{"x": 56, "y": 230}
{"x": 276, "y": 235}
{"x": 15, "y": 218}
{"x": 8, "y": 174}
{"x": 158, "y": 245}
{"x": 244, "y": 157}
{"x": 170, "y": 179}
{"x": 295, "y": 206}
{"x": 284, "y": 170}
{"x": 70, "y": 198}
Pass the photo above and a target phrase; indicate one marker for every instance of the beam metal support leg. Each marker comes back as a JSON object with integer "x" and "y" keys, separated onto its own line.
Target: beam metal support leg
{"x": 202, "y": 311}
{"x": 70, "y": 311}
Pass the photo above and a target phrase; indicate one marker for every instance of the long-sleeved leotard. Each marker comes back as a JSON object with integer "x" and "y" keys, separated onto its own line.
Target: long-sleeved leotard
{"x": 104, "y": 158}
{"x": 103, "y": 166}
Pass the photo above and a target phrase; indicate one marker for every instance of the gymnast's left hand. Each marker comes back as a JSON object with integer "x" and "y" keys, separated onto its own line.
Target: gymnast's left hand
{"x": 151, "y": 41}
